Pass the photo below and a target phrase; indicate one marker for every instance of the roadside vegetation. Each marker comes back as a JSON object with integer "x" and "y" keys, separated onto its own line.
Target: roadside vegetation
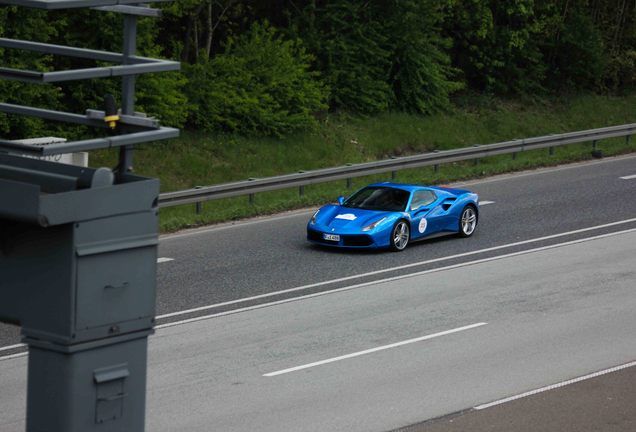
{"x": 276, "y": 86}
{"x": 201, "y": 159}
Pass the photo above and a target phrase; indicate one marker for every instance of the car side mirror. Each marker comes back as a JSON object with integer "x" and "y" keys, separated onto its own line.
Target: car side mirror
{"x": 341, "y": 200}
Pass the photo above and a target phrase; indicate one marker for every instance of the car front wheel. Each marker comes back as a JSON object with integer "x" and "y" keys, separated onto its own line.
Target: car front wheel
{"x": 400, "y": 236}
{"x": 468, "y": 221}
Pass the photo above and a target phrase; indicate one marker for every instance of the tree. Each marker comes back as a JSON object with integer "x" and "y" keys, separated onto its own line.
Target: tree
{"x": 33, "y": 26}
{"x": 260, "y": 85}
{"x": 421, "y": 75}
{"x": 351, "y": 48}
{"x": 573, "y": 46}
{"x": 496, "y": 45}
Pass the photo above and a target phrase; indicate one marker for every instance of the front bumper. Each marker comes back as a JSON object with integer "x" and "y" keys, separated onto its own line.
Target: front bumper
{"x": 346, "y": 240}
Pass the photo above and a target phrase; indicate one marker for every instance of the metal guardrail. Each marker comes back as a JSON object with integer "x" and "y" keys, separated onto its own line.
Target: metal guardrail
{"x": 301, "y": 179}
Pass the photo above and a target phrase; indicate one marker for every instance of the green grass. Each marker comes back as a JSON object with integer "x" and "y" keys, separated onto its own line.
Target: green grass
{"x": 203, "y": 159}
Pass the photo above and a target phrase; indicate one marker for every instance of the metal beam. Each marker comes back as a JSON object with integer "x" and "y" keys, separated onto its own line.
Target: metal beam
{"x": 61, "y": 50}
{"x": 73, "y": 52}
{"x": 88, "y": 73}
{"x": 50, "y": 115}
{"x": 90, "y": 144}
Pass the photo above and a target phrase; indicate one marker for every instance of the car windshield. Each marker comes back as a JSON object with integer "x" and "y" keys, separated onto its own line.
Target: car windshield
{"x": 378, "y": 198}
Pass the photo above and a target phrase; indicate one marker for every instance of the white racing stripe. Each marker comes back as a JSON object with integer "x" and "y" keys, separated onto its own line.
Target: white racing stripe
{"x": 483, "y": 203}
{"x": 372, "y": 350}
{"x": 631, "y": 177}
{"x": 163, "y": 260}
{"x": 554, "y": 386}
{"x": 403, "y": 267}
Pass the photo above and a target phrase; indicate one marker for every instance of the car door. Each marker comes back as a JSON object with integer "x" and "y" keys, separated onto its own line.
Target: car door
{"x": 425, "y": 212}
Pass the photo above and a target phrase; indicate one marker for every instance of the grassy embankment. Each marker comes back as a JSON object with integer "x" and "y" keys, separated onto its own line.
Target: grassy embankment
{"x": 203, "y": 159}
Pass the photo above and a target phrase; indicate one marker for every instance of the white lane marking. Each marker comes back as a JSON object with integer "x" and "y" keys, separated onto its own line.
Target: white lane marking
{"x": 12, "y": 356}
{"x": 631, "y": 177}
{"x": 406, "y": 266}
{"x": 6, "y": 348}
{"x": 163, "y": 260}
{"x": 483, "y": 203}
{"x": 555, "y": 386}
{"x": 351, "y": 287}
{"x": 372, "y": 350}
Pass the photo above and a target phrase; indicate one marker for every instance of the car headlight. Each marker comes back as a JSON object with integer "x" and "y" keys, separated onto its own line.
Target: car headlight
{"x": 373, "y": 225}
{"x": 313, "y": 218}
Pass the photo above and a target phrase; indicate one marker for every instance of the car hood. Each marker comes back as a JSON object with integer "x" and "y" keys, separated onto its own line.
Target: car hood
{"x": 339, "y": 217}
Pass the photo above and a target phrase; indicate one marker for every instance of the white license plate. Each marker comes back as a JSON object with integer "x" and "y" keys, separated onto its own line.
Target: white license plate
{"x": 331, "y": 237}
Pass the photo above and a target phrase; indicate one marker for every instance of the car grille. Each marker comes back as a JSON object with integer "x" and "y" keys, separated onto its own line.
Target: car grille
{"x": 317, "y": 237}
{"x": 357, "y": 240}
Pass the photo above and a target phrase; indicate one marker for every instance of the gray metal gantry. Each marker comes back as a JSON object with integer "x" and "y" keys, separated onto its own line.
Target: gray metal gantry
{"x": 78, "y": 246}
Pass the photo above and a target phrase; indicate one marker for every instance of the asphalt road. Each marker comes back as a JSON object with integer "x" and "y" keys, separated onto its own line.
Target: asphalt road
{"x": 224, "y": 268}
{"x": 239, "y": 261}
{"x": 242, "y": 260}
{"x": 391, "y": 353}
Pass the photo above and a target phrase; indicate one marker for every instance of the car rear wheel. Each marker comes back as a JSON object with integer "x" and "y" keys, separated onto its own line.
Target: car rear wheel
{"x": 400, "y": 236}
{"x": 468, "y": 221}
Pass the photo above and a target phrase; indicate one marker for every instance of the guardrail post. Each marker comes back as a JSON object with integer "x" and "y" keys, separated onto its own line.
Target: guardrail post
{"x": 393, "y": 173}
{"x": 349, "y": 179}
{"x": 551, "y": 151}
{"x": 301, "y": 189}
{"x": 251, "y": 196}
{"x": 198, "y": 205}
{"x": 476, "y": 161}
{"x": 514, "y": 154}
{"x": 595, "y": 151}
{"x": 628, "y": 138}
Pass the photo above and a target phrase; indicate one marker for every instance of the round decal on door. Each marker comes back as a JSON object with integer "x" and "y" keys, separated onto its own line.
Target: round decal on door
{"x": 422, "y": 226}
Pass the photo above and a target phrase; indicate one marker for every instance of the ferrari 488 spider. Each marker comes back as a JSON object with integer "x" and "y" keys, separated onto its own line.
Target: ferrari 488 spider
{"x": 391, "y": 215}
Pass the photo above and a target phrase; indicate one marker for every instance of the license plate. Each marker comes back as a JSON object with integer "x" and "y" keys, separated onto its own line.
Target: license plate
{"x": 331, "y": 237}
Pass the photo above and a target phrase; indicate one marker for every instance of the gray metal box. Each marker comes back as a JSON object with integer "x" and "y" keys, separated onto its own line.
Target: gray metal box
{"x": 78, "y": 256}
{"x": 94, "y": 388}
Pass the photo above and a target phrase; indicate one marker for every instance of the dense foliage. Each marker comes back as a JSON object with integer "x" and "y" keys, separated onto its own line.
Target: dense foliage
{"x": 260, "y": 83}
{"x": 274, "y": 66}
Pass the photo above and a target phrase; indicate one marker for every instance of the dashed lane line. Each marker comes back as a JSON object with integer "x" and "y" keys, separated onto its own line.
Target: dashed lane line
{"x": 376, "y": 349}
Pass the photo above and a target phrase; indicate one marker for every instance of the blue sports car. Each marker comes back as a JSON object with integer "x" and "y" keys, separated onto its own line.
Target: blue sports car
{"x": 391, "y": 215}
